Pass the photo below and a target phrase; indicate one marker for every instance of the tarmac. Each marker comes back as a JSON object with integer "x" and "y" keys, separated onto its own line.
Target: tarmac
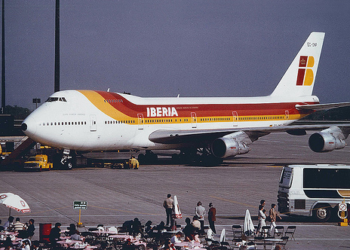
{"x": 118, "y": 195}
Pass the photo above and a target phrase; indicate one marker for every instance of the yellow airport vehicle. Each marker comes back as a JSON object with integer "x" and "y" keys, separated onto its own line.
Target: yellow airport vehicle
{"x": 38, "y": 162}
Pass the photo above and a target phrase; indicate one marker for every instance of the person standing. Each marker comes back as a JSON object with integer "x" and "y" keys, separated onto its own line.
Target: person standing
{"x": 168, "y": 204}
{"x": 55, "y": 234}
{"x": 261, "y": 218}
{"x": 212, "y": 217}
{"x": 273, "y": 214}
{"x": 200, "y": 212}
{"x": 31, "y": 229}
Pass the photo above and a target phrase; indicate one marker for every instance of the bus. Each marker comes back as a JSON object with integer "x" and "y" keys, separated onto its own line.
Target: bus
{"x": 313, "y": 190}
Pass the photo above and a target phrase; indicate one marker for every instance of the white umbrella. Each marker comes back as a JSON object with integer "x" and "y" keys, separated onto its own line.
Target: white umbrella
{"x": 223, "y": 235}
{"x": 15, "y": 202}
{"x": 248, "y": 227}
{"x": 176, "y": 212}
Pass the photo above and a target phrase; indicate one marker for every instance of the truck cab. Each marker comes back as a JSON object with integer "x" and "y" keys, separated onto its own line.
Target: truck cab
{"x": 38, "y": 162}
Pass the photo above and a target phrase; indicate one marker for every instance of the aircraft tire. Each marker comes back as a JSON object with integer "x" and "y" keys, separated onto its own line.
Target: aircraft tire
{"x": 175, "y": 158}
{"x": 69, "y": 165}
{"x": 141, "y": 158}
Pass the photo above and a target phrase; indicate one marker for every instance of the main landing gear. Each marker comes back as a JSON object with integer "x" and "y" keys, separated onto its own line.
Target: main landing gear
{"x": 148, "y": 158}
{"x": 193, "y": 156}
{"x": 199, "y": 156}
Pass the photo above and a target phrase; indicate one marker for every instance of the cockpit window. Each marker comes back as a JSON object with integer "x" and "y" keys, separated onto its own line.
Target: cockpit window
{"x": 55, "y": 99}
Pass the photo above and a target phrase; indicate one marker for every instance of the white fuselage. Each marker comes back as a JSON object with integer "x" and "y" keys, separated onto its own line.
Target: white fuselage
{"x": 87, "y": 120}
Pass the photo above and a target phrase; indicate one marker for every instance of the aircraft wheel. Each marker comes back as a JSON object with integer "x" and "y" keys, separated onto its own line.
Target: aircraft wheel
{"x": 175, "y": 158}
{"x": 211, "y": 160}
{"x": 151, "y": 158}
{"x": 141, "y": 158}
{"x": 69, "y": 165}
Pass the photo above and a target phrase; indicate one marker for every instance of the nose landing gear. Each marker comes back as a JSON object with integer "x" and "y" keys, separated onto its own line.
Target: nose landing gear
{"x": 68, "y": 160}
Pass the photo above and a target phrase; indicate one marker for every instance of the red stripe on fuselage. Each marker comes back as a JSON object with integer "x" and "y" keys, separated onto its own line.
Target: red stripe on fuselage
{"x": 204, "y": 110}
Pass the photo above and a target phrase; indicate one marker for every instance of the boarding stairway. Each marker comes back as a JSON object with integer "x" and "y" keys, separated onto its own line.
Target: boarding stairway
{"x": 25, "y": 145}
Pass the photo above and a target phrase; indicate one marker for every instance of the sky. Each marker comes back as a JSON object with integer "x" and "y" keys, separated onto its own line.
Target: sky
{"x": 160, "y": 48}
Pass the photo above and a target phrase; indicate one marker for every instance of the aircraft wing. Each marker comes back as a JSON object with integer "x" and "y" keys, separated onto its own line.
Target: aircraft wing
{"x": 200, "y": 135}
{"x": 322, "y": 106}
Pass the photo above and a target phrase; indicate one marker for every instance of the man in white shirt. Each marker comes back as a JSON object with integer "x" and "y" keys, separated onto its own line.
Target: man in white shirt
{"x": 200, "y": 212}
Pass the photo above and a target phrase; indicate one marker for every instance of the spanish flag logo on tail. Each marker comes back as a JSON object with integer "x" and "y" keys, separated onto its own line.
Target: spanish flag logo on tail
{"x": 305, "y": 72}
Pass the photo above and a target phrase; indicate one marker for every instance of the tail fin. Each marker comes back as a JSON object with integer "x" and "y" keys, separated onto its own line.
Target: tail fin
{"x": 300, "y": 77}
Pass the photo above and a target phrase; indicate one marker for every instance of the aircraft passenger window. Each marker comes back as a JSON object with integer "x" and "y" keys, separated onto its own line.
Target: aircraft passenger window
{"x": 55, "y": 124}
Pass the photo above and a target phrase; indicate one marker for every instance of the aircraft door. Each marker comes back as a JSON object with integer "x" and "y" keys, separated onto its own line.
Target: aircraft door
{"x": 287, "y": 114}
{"x": 194, "y": 119}
{"x": 235, "y": 118}
{"x": 141, "y": 121}
{"x": 93, "y": 124}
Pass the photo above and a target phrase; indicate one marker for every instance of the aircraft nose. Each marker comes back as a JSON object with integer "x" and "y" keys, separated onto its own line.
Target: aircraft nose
{"x": 24, "y": 127}
{"x": 29, "y": 126}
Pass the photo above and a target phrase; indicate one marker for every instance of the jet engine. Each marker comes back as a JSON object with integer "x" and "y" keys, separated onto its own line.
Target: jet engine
{"x": 231, "y": 145}
{"x": 327, "y": 140}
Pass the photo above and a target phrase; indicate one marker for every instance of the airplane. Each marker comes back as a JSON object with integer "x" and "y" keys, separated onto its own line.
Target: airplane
{"x": 208, "y": 129}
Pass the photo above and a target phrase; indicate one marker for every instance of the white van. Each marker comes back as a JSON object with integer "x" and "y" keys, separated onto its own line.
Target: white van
{"x": 313, "y": 190}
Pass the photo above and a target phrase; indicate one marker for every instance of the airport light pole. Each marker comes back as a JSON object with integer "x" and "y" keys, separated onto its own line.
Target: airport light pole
{"x": 57, "y": 47}
{"x": 3, "y": 103}
{"x": 36, "y": 101}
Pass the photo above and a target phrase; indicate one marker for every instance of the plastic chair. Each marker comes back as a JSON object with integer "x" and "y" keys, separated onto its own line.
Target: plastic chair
{"x": 290, "y": 232}
{"x": 264, "y": 231}
{"x": 279, "y": 231}
{"x": 284, "y": 242}
{"x": 259, "y": 242}
{"x": 237, "y": 231}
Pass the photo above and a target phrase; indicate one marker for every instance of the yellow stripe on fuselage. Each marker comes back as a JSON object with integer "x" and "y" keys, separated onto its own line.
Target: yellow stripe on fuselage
{"x": 99, "y": 102}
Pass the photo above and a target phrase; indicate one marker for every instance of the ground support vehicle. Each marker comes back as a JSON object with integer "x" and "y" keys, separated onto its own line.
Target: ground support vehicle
{"x": 313, "y": 190}
{"x": 38, "y": 162}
